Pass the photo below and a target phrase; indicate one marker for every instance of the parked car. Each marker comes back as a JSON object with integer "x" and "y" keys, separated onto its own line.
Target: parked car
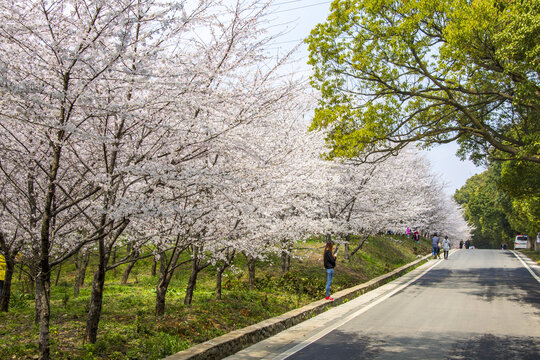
{"x": 521, "y": 242}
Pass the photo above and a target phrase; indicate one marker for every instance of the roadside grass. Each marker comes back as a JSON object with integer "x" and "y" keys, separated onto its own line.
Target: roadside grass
{"x": 532, "y": 254}
{"x": 129, "y": 329}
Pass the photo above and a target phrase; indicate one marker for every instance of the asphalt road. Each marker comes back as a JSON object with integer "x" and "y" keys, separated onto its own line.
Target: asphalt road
{"x": 478, "y": 304}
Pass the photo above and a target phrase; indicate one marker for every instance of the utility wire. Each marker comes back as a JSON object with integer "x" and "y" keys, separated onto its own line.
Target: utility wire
{"x": 301, "y": 7}
{"x": 290, "y": 2}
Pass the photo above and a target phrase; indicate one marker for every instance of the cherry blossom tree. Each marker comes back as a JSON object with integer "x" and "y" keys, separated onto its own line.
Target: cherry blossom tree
{"x": 168, "y": 127}
{"x": 55, "y": 55}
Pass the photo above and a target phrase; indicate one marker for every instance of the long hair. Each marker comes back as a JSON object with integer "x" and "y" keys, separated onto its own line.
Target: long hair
{"x": 329, "y": 246}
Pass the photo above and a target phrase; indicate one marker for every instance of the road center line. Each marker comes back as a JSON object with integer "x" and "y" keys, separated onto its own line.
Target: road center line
{"x": 527, "y": 266}
{"x": 324, "y": 332}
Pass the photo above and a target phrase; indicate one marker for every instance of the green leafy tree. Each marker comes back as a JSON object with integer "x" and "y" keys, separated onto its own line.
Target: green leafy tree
{"x": 393, "y": 72}
{"x": 486, "y": 209}
{"x": 521, "y": 181}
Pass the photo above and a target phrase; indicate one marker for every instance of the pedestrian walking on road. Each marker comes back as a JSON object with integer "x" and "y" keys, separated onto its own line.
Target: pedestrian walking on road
{"x": 434, "y": 245}
{"x": 329, "y": 264}
{"x": 461, "y": 244}
{"x": 446, "y": 247}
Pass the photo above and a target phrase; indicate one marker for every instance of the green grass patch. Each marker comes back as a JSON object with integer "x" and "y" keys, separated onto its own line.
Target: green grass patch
{"x": 129, "y": 329}
{"x": 533, "y": 255}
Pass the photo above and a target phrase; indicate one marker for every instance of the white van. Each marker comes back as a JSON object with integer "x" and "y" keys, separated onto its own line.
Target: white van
{"x": 521, "y": 242}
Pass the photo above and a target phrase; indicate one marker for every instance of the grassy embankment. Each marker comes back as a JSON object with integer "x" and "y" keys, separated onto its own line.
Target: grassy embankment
{"x": 129, "y": 330}
{"x": 533, "y": 255}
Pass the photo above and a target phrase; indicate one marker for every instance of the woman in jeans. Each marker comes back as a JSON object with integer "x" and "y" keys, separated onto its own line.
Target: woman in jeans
{"x": 434, "y": 245}
{"x": 329, "y": 265}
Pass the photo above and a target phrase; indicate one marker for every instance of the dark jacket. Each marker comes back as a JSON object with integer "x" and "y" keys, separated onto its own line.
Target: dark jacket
{"x": 329, "y": 260}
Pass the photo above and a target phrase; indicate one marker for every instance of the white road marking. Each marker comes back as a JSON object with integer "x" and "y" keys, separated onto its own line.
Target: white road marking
{"x": 324, "y": 332}
{"x": 527, "y": 266}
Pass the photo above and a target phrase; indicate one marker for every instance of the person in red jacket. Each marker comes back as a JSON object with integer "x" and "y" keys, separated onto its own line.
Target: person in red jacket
{"x": 329, "y": 264}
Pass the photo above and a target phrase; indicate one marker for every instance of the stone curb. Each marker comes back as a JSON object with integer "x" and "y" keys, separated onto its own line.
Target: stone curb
{"x": 236, "y": 340}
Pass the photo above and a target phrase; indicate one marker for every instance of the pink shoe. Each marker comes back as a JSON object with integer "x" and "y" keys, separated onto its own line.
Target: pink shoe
{"x": 329, "y": 298}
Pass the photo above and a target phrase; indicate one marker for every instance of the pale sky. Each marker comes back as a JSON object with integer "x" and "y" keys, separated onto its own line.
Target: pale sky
{"x": 298, "y": 17}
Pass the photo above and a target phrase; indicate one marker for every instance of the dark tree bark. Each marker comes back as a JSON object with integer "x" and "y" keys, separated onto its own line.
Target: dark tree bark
{"x": 127, "y": 271}
{"x": 219, "y": 280}
{"x": 98, "y": 283}
{"x": 81, "y": 263}
{"x": 166, "y": 272}
{"x": 251, "y": 260}
{"x": 286, "y": 256}
{"x": 96, "y": 297}
{"x": 360, "y": 244}
{"x": 154, "y": 266}
{"x": 196, "y": 267}
{"x": 43, "y": 279}
{"x": 161, "y": 291}
{"x": 44, "y": 313}
{"x": 346, "y": 246}
{"x": 221, "y": 269}
{"x": 192, "y": 282}
{"x": 58, "y": 275}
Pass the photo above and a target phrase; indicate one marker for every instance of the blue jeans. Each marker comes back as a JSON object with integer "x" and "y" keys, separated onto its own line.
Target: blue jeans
{"x": 329, "y": 276}
{"x": 434, "y": 251}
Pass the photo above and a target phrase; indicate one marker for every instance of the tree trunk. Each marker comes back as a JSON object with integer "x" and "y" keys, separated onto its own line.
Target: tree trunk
{"x": 134, "y": 256}
{"x": 192, "y": 282}
{"x": 96, "y": 297}
{"x": 43, "y": 279}
{"x": 166, "y": 272}
{"x": 81, "y": 264}
{"x": 346, "y": 247}
{"x": 360, "y": 244}
{"x": 43, "y": 284}
{"x": 44, "y": 314}
{"x": 251, "y": 271}
{"x": 125, "y": 277}
{"x": 219, "y": 279}
{"x": 105, "y": 248}
{"x": 284, "y": 257}
{"x": 221, "y": 269}
{"x": 196, "y": 267}
{"x": 161, "y": 291}
{"x": 58, "y": 275}
{"x": 33, "y": 275}
{"x": 290, "y": 246}
{"x": 114, "y": 261}
{"x": 154, "y": 266}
